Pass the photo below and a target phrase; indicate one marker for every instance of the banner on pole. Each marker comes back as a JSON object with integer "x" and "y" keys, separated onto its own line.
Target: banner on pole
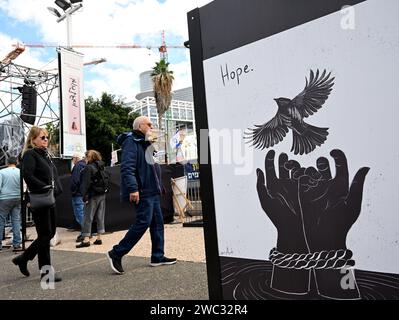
{"x": 72, "y": 108}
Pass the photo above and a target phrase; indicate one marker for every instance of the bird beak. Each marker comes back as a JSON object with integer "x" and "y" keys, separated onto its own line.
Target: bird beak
{"x": 275, "y": 100}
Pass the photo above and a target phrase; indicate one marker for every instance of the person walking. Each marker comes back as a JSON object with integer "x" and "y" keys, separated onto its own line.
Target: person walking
{"x": 10, "y": 201}
{"x": 140, "y": 184}
{"x": 94, "y": 186}
{"x": 77, "y": 198}
{"x": 40, "y": 173}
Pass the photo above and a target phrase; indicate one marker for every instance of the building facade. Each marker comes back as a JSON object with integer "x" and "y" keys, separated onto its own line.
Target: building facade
{"x": 179, "y": 121}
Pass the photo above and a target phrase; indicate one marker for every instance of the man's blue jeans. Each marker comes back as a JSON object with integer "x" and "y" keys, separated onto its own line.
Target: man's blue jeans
{"x": 13, "y": 207}
{"x": 78, "y": 209}
{"x": 148, "y": 214}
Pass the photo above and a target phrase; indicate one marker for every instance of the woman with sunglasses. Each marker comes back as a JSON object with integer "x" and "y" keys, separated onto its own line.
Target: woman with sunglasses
{"x": 39, "y": 173}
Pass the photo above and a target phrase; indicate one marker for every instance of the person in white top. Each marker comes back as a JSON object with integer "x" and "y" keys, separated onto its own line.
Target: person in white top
{"x": 10, "y": 201}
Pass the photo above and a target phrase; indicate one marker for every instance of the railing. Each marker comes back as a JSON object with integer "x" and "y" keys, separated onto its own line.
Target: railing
{"x": 194, "y": 215}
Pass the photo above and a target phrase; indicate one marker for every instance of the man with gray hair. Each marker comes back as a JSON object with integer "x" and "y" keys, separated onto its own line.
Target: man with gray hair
{"x": 10, "y": 201}
{"x": 143, "y": 121}
{"x": 141, "y": 185}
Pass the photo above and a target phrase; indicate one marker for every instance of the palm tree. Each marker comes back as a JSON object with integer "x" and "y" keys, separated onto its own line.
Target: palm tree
{"x": 162, "y": 78}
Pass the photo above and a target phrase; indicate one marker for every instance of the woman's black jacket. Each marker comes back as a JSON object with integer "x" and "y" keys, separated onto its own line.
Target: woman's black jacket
{"x": 36, "y": 171}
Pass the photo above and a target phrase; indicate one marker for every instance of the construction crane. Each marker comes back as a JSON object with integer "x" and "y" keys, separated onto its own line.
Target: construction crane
{"x": 95, "y": 62}
{"x": 20, "y": 48}
{"x": 101, "y": 60}
{"x": 163, "y": 48}
{"x": 105, "y": 46}
{"x": 12, "y": 55}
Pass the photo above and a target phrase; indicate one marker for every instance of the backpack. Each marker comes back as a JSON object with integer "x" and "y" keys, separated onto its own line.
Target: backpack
{"x": 101, "y": 181}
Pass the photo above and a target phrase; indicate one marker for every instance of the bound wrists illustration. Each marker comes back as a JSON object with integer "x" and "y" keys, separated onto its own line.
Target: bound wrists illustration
{"x": 313, "y": 213}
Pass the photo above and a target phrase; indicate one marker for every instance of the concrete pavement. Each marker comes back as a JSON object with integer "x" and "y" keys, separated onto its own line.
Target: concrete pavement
{"x": 88, "y": 276}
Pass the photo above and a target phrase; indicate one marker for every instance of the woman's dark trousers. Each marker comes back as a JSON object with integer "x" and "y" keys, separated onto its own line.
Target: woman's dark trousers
{"x": 45, "y": 226}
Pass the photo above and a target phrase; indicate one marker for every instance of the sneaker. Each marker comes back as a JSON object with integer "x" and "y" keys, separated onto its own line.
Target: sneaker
{"x": 80, "y": 238}
{"x": 17, "y": 248}
{"x": 83, "y": 245}
{"x": 115, "y": 263}
{"x": 98, "y": 241}
{"x": 22, "y": 263}
{"x": 163, "y": 261}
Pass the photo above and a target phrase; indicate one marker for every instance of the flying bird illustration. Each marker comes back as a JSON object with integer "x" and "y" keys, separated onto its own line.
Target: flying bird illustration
{"x": 291, "y": 114}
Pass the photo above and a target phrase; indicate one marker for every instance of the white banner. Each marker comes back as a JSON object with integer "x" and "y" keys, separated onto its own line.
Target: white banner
{"x": 72, "y": 102}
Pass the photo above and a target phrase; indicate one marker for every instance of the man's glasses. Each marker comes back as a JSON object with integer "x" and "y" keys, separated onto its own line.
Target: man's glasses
{"x": 45, "y": 137}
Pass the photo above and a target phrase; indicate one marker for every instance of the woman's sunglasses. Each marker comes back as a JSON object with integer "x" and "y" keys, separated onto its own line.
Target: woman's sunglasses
{"x": 45, "y": 137}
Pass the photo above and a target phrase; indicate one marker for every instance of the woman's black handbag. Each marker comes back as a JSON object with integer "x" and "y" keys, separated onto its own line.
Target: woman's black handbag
{"x": 42, "y": 200}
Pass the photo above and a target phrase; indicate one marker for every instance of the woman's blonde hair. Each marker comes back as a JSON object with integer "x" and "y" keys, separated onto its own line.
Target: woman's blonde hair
{"x": 92, "y": 156}
{"x": 32, "y": 135}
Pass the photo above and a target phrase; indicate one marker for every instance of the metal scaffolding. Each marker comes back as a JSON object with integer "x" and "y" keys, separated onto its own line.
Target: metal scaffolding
{"x": 12, "y": 129}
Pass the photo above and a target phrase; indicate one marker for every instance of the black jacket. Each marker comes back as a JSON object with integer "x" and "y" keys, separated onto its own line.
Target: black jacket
{"x": 36, "y": 171}
{"x": 88, "y": 173}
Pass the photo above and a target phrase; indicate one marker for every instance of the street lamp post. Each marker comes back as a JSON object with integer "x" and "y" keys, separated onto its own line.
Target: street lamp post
{"x": 69, "y": 8}
{"x": 68, "y": 17}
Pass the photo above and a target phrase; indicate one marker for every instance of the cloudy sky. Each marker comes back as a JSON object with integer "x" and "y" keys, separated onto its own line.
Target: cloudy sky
{"x": 105, "y": 22}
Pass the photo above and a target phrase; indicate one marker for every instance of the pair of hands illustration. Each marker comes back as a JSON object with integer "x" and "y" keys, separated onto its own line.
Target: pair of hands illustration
{"x": 312, "y": 212}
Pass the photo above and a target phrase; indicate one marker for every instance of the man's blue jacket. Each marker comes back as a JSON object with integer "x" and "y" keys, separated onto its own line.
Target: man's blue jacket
{"x": 138, "y": 172}
{"x": 76, "y": 178}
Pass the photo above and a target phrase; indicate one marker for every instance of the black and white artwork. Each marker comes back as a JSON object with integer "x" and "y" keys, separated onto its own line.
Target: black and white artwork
{"x": 290, "y": 117}
{"x": 303, "y": 144}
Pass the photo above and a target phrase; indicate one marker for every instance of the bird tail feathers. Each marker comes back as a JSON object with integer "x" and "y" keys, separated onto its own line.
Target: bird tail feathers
{"x": 306, "y": 141}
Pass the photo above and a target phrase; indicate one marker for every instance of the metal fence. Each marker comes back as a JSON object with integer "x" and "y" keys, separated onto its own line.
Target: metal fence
{"x": 194, "y": 214}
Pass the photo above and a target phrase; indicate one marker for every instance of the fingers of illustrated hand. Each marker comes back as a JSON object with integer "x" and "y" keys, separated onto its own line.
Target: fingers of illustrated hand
{"x": 323, "y": 166}
{"x": 260, "y": 177}
{"x": 298, "y": 173}
{"x": 306, "y": 182}
{"x": 263, "y": 195}
{"x": 261, "y": 185}
{"x": 313, "y": 173}
{"x": 269, "y": 167}
{"x": 341, "y": 165}
{"x": 292, "y": 166}
{"x": 354, "y": 200}
{"x": 284, "y": 173}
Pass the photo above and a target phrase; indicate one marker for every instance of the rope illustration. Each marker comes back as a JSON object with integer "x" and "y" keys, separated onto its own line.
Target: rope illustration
{"x": 333, "y": 259}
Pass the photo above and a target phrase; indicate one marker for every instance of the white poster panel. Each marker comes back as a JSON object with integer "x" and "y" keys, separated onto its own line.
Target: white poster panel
{"x": 360, "y": 48}
{"x": 72, "y": 102}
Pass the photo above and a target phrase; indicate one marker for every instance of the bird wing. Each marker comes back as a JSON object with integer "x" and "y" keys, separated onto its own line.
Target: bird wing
{"x": 316, "y": 92}
{"x": 306, "y": 137}
{"x": 268, "y": 134}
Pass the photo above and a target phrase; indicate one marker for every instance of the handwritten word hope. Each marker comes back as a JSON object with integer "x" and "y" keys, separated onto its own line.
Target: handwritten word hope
{"x": 234, "y": 75}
